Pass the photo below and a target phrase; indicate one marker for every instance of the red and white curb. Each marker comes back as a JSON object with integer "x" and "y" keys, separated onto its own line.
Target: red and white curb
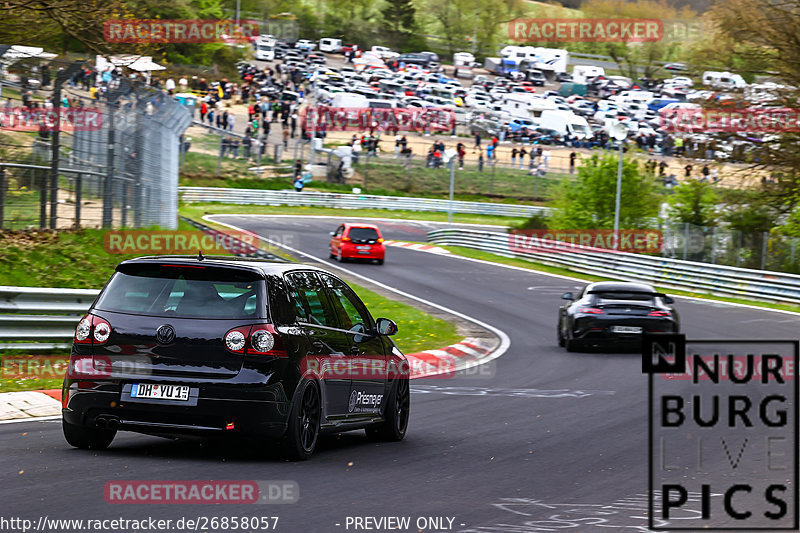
{"x": 444, "y": 362}
{"x": 441, "y": 363}
{"x": 416, "y": 246}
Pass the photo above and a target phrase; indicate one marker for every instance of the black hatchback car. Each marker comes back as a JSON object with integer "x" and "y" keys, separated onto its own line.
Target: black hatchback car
{"x": 177, "y": 346}
{"x": 612, "y": 313}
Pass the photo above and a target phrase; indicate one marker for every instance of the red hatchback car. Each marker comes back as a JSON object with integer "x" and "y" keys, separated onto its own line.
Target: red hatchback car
{"x": 357, "y": 241}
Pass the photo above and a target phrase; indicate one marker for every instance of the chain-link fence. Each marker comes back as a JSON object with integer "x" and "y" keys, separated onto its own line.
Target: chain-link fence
{"x": 74, "y": 154}
{"x": 725, "y": 246}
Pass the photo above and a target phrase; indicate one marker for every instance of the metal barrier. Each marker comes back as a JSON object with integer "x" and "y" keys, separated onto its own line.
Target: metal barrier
{"x": 350, "y": 201}
{"x": 775, "y": 287}
{"x": 42, "y": 318}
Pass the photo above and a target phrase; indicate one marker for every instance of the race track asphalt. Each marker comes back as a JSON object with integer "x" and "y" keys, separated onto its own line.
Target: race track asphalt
{"x": 544, "y": 442}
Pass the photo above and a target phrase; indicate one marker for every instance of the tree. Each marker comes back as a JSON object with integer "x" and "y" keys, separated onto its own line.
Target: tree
{"x": 399, "y": 23}
{"x": 57, "y": 24}
{"x": 694, "y": 202}
{"x": 761, "y": 37}
{"x": 589, "y": 201}
{"x": 637, "y": 60}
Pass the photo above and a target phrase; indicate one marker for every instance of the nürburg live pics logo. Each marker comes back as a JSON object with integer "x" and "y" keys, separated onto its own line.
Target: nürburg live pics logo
{"x": 723, "y": 434}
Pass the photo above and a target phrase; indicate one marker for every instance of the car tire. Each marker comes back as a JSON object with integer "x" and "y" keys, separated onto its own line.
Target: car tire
{"x": 571, "y": 345}
{"x": 561, "y": 341}
{"x": 87, "y": 438}
{"x": 395, "y": 421}
{"x": 340, "y": 257}
{"x": 302, "y": 432}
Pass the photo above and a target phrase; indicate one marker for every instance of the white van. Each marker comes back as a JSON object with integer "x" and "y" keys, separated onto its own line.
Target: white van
{"x": 565, "y": 122}
{"x": 349, "y": 100}
{"x": 723, "y": 80}
{"x": 463, "y": 59}
{"x": 526, "y": 105}
{"x": 583, "y": 73}
{"x": 265, "y": 48}
{"x": 329, "y": 45}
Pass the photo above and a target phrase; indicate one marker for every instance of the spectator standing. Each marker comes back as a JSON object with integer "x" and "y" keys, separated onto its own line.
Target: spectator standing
{"x": 688, "y": 170}
{"x": 572, "y": 157}
{"x": 286, "y": 137}
{"x": 231, "y": 121}
{"x": 522, "y": 154}
{"x": 203, "y": 111}
{"x": 514, "y": 153}
{"x": 477, "y": 139}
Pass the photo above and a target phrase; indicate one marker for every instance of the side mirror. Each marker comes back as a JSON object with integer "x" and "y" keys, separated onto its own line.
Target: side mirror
{"x": 386, "y": 327}
{"x": 669, "y": 300}
{"x": 566, "y": 296}
{"x": 331, "y": 233}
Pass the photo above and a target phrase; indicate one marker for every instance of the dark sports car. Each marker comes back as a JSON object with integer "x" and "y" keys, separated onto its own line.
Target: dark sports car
{"x": 612, "y": 313}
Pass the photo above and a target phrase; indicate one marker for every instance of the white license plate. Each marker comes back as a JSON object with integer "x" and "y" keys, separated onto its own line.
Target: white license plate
{"x": 363, "y": 247}
{"x": 160, "y": 392}
{"x": 626, "y": 329}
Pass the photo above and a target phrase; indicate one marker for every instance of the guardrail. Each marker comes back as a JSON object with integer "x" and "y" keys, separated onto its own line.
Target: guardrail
{"x": 350, "y": 201}
{"x": 42, "y": 318}
{"x": 775, "y": 287}
{"x": 37, "y": 318}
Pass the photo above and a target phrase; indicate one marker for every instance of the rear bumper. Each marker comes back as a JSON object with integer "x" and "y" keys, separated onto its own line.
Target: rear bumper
{"x": 375, "y": 252}
{"x": 211, "y": 411}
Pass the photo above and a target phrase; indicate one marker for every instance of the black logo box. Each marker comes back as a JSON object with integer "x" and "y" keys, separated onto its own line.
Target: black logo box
{"x": 657, "y": 345}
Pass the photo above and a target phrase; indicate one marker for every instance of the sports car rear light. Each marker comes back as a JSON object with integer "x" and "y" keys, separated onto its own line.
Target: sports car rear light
{"x": 590, "y": 310}
{"x": 658, "y": 313}
{"x": 261, "y": 339}
{"x": 380, "y": 240}
{"x": 92, "y": 330}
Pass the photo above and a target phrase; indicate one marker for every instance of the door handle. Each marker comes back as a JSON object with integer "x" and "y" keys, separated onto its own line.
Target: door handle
{"x": 318, "y": 346}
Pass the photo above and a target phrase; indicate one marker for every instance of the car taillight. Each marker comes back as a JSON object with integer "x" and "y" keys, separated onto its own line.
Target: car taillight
{"x": 345, "y": 239}
{"x": 236, "y": 339}
{"x": 261, "y": 339}
{"x": 658, "y": 313}
{"x": 84, "y": 331}
{"x": 380, "y": 240}
{"x": 92, "y": 330}
{"x": 590, "y": 310}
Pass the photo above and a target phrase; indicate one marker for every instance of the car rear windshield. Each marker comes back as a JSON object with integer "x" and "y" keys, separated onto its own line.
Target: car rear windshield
{"x": 611, "y": 297}
{"x": 184, "y": 292}
{"x": 363, "y": 234}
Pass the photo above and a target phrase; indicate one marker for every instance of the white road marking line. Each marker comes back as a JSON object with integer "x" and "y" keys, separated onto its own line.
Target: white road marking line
{"x": 505, "y": 341}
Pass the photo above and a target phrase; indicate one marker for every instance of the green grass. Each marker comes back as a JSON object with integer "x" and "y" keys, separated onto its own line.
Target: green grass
{"x": 197, "y": 211}
{"x": 539, "y": 267}
{"x": 497, "y": 184}
{"x": 416, "y": 330}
